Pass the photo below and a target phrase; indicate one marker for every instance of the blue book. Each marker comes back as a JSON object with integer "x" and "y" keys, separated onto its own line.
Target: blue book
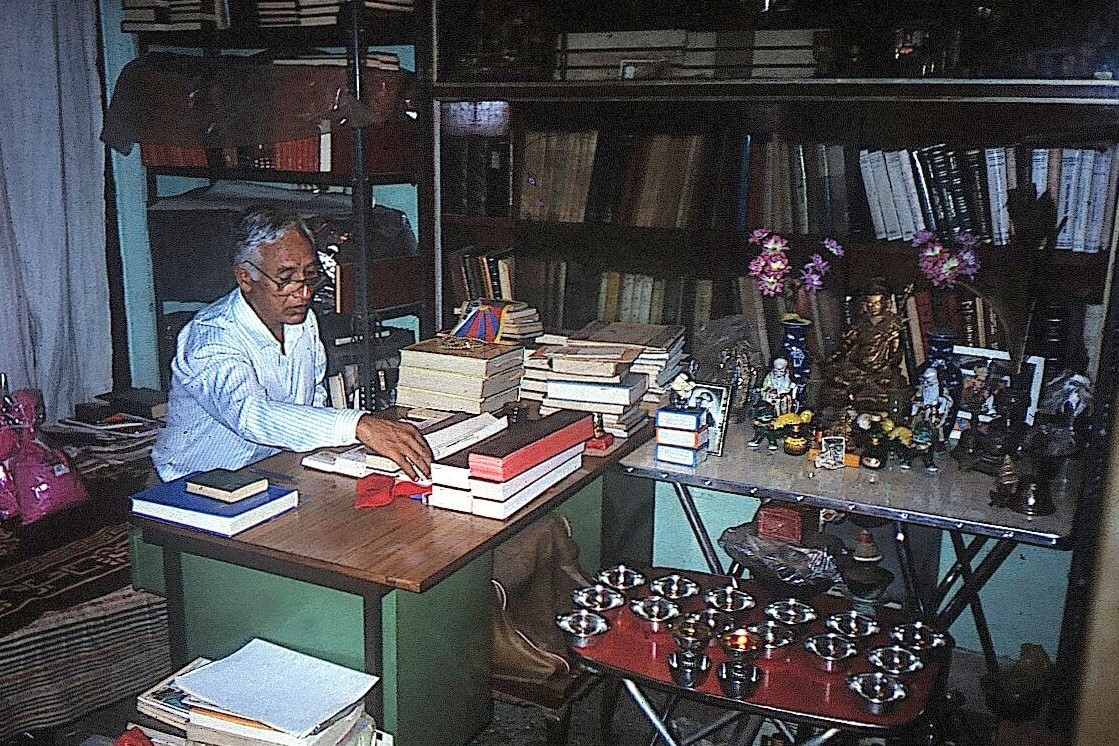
{"x": 171, "y": 502}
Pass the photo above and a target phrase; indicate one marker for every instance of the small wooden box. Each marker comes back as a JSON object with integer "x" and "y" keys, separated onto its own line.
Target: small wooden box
{"x": 781, "y": 522}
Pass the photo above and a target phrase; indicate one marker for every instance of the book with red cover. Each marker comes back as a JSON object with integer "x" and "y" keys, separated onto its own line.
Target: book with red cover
{"x": 528, "y": 443}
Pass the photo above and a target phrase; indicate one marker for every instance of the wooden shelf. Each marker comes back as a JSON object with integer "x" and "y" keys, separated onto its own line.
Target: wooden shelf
{"x": 284, "y": 177}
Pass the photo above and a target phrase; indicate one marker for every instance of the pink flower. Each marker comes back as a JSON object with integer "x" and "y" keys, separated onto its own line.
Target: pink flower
{"x": 758, "y": 235}
{"x": 771, "y": 266}
{"x": 775, "y": 243}
{"x": 770, "y": 285}
{"x": 813, "y": 281}
{"x": 817, "y": 265}
{"x": 943, "y": 262}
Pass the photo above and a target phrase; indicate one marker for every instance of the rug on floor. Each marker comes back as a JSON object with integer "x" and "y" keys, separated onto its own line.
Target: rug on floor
{"x": 77, "y": 572}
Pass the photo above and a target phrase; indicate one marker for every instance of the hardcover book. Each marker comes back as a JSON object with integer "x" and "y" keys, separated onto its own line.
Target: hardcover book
{"x": 678, "y": 455}
{"x": 527, "y": 443}
{"x": 628, "y": 391}
{"x": 505, "y": 508}
{"x": 171, "y": 502}
{"x": 226, "y": 485}
{"x": 485, "y": 489}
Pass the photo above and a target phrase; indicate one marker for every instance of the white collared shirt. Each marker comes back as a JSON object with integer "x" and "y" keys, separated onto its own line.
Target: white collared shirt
{"x": 236, "y": 397}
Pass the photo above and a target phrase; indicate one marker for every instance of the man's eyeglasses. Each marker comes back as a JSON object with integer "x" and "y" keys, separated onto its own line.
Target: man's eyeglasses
{"x": 290, "y": 284}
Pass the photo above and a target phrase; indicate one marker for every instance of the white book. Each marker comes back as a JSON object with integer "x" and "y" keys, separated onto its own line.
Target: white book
{"x": 503, "y": 509}
{"x": 584, "y": 406}
{"x": 694, "y": 439}
{"x": 899, "y": 191}
{"x": 211, "y": 727}
{"x": 449, "y": 498}
{"x": 997, "y": 194}
{"x": 876, "y": 219}
{"x": 628, "y": 391}
{"x": 409, "y": 397}
{"x": 1066, "y": 196}
{"x": 445, "y": 441}
{"x": 1039, "y": 169}
{"x": 884, "y": 193}
{"x": 912, "y": 196}
{"x": 1079, "y": 209}
{"x": 482, "y": 488}
{"x": 458, "y": 384}
{"x": 1097, "y": 200}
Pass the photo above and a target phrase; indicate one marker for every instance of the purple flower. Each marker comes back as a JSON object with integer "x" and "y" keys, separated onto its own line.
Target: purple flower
{"x": 817, "y": 265}
{"x": 813, "y": 280}
{"x": 967, "y": 240}
{"x": 922, "y": 237}
{"x": 833, "y": 246}
{"x": 758, "y": 235}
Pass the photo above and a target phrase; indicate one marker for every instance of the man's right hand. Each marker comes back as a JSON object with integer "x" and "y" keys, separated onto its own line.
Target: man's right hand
{"x": 399, "y": 441}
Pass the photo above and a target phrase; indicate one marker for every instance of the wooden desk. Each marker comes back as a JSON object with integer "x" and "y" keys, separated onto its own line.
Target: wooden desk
{"x": 952, "y": 500}
{"x": 401, "y": 591}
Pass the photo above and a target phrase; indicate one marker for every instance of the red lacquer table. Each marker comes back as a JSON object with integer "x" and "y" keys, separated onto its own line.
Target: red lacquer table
{"x": 794, "y": 690}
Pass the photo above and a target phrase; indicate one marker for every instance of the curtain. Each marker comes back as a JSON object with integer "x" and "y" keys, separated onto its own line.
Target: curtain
{"x": 55, "y": 332}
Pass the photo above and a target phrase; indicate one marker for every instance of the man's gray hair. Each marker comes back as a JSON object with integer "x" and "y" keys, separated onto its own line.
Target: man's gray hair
{"x": 260, "y": 226}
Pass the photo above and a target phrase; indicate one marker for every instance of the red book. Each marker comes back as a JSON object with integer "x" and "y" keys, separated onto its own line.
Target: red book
{"x": 528, "y": 443}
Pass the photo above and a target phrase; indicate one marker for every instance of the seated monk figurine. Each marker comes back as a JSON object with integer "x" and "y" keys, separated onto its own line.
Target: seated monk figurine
{"x": 867, "y": 362}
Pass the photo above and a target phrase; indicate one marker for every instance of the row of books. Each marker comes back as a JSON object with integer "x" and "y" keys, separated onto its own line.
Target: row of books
{"x": 476, "y": 272}
{"x": 297, "y": 12}
{"x": 500, "y": 475}
{"x": 264, "y": 694}
{"x": 173, "y": 15}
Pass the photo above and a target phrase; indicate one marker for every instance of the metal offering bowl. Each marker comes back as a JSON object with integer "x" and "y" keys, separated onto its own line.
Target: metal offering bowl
{"x": 894, "y": 659}
{"x": 879, "y": 690}
{"x": 598, "y": 597}
{"x": 688, "y": 670}
{"x": 718, "y": 621}
{"x": 655, "y": 610}
{"x": 790, "y": 611}
{"x": 674, "y": 587}
{"x": 621, "y": 578}
{"x": 918, "y": 636}
{"x": 739, "y": 644}
{"x": 771, "y": 635}
{"x": 852, "y": 623}
{"x": 738, "y": 681}
{"x": 581, "y": 625}
{"x": 831, "y": 650}
{"x": 729, "y": 599}
{"x": 691, "y": 635}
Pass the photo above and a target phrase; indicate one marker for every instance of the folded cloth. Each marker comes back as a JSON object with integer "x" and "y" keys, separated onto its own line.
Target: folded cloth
{"x": 378, "y": 490}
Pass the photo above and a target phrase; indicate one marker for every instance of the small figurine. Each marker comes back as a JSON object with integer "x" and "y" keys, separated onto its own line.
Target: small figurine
{"x": 763, "y": 420}
{"x": 932, "y": 405}
{"x": 924, "y": 443}
{"x": 778, "y": 388}
{"x": 899, "y": 442}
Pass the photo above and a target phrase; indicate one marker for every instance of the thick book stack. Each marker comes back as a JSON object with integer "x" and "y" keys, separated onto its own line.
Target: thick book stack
{"x": 264, "y": 695}
{"x": 174, "y": 502}
{"x": 681, "y": 436}
{"x": 453, "y": 374}
{"x": 271, "y": 13}
{"x": 661, "y": 357}
{"x": 173, "y": 15}
{"x": 505, "y": 472}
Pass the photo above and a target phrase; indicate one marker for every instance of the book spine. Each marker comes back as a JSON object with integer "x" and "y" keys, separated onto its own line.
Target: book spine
{"x": 891, "y": 221}
{"x": 995, "y": 159}
{"x": 798, "y": 187}
{"x": 1097, "y": 199}
{"x": 1079, "y": 208}
{"x": 1070, "y": 168}
{"x": 977, "y": 193}
{"x": 899, "y": 192}
{"x": 877, "y": 219}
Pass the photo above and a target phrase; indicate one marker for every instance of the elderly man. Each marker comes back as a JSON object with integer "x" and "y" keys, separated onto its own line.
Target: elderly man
{"x": 247, "y": 378}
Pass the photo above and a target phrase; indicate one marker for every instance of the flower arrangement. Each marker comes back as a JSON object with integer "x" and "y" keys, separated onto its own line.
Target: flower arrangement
{"x": 772, "y": 267}
{"x": 946, "y": 262}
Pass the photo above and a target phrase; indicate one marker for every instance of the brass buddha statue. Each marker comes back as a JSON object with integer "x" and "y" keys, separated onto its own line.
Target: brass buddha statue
{"x": 866, "y": 365}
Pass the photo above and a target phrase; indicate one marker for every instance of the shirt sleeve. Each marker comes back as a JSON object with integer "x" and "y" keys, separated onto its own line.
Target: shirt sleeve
{"x": 223, "y": 381}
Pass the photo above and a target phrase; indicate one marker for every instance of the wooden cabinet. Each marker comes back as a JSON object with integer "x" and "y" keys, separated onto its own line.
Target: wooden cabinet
{"x": 570, "y": 257}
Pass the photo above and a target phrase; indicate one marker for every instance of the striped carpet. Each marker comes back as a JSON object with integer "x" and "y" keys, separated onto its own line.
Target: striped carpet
{"x": 74, "y": 635}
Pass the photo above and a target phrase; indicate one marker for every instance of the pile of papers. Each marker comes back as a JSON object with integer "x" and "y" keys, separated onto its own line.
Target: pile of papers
{"x": 265, "y": 695}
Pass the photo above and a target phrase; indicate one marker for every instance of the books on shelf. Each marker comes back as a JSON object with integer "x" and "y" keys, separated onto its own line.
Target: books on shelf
{"x": 226, "y": 485}
{"x": 170, "y": 501}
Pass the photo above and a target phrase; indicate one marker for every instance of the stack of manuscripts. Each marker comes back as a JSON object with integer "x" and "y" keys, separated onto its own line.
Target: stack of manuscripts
{"x": 265, "y": 695}
{"x": 454, "y": 374}
{"x": 618, "y": 371}
{"x": 505, "y": 472}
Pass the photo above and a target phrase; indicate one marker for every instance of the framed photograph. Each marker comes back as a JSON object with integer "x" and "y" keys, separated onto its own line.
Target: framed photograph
{"x": 833, "y": 450}
{"x": 715, "y": 401}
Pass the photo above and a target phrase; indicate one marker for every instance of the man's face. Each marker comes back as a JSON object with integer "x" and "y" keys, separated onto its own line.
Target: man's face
{"x": 292, "y": 256}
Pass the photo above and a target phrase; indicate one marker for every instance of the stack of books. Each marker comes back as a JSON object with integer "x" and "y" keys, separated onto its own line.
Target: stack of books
{"x": 453, "y": 374}
{"x": 597, "y": 369}
{"x": 505, "y": 472}
{"x": 265, "y": 695}
{"x": 173, "y": 15}
{"x": 681, "y": 435}
{"x": 218, "y": 501}
{"x": 298, "y": 12}
{"x": 392, "y": 6}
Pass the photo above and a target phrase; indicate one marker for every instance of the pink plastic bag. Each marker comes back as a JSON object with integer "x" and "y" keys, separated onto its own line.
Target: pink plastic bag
{"x": 43, "y": 479}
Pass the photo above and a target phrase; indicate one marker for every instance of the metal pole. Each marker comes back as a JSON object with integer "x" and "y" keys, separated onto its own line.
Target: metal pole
{"x": 360, "y": 200}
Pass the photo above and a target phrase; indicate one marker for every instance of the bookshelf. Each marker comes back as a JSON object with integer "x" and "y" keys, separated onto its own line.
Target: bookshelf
{"x": 1031, "y": 108}
{"x": 379, "y": 151}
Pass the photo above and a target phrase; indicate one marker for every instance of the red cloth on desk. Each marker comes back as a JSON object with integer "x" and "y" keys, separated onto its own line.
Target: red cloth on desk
{"x": 378, "y": 490}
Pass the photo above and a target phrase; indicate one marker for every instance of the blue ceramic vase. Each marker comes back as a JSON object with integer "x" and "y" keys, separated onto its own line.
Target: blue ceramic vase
{"x": 794, "y": 348}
